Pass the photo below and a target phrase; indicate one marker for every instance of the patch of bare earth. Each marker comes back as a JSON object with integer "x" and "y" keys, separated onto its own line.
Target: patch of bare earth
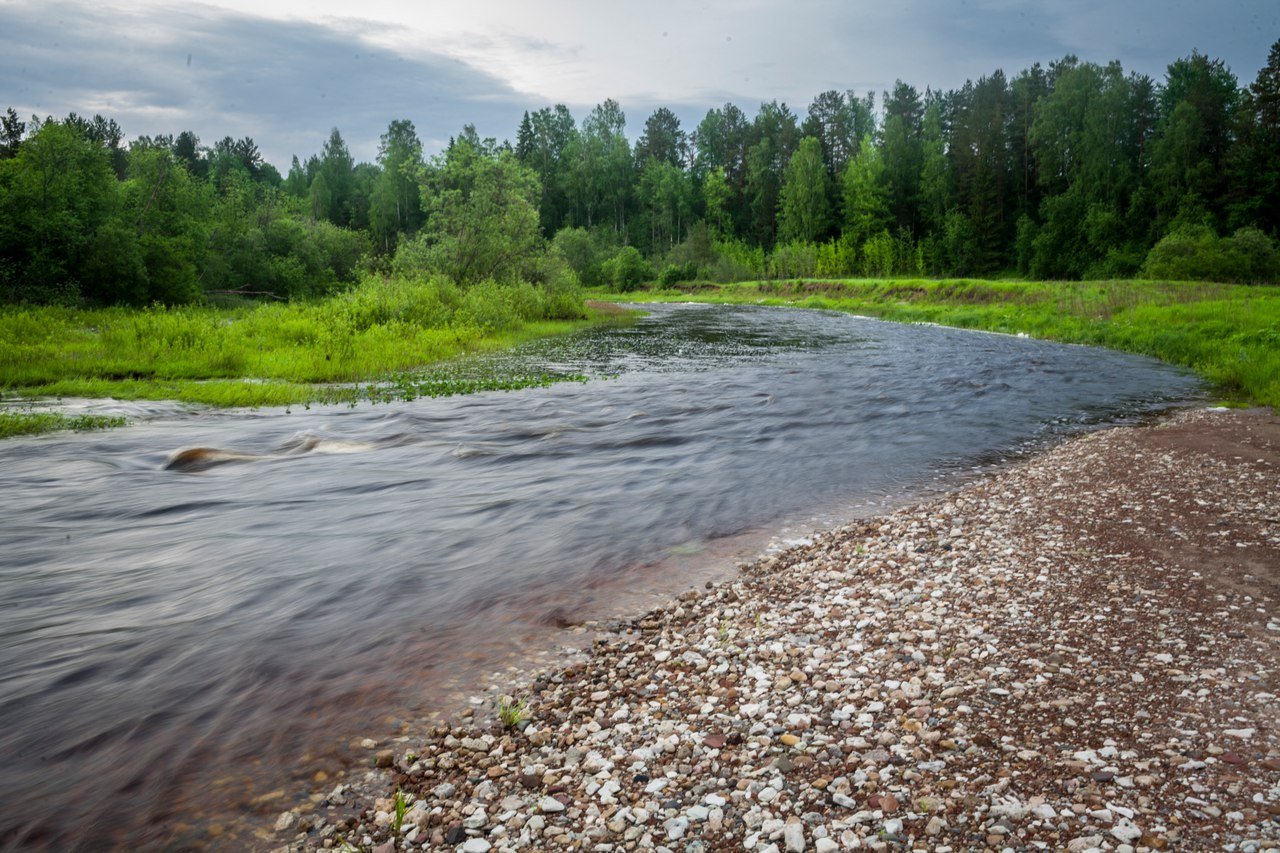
{"x": 1077, "y": 653}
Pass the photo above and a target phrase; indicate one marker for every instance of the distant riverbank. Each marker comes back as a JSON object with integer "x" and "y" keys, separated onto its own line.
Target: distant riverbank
{"x": 1229, "y": 334}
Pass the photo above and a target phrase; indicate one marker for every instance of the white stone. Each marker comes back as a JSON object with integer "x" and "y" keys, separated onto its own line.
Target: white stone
{"x": 1126, "y": 831}
{"x": 550, "y": 805}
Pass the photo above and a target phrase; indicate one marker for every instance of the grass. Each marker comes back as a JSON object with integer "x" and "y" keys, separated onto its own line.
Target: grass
{"x": 512, "y": 712}
{"x": 369, "y": 343}
{"x": 35, "y": 423}
{"x": 1228, "y": 334}
{"x": 401, "y": 808}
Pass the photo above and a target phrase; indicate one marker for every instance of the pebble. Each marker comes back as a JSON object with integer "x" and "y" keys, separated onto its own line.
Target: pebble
{"x": 954, "y": 674}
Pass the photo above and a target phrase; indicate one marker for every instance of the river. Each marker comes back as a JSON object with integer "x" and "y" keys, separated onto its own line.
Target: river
{"x": 176, "y": 644}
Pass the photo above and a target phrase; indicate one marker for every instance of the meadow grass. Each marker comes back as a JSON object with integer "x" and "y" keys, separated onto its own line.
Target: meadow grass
{"x": 280, "y": 354}
{"x": 1228, "y": 334}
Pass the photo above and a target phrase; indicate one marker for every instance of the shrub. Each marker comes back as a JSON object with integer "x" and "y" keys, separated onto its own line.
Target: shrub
{"x": 676, "y": 273}
{"x": 492, "y": 306}
{"x": 562, "y": 297}
{"x": 581, "y": 251}
{"x": 737, "y": 261}
{"x": 836, "y": 259}
{"x": 793, "y": 260}
{"x": 425, "y": 302}
{"x": 696, "y": 250}
{"x": 877, "y": 256}
{"x": 1195, "y": 253}
{"x": 627, "y": 269}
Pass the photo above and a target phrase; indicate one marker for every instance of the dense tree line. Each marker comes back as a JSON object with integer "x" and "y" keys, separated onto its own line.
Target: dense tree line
{"x": 1077, "y": 170}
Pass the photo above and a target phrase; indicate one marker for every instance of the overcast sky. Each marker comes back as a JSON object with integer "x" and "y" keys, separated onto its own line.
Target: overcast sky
{"x": 286, "y": 72}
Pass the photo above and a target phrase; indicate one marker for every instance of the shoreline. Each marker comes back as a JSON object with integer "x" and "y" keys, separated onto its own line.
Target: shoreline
{"x": 1078, "y": 651}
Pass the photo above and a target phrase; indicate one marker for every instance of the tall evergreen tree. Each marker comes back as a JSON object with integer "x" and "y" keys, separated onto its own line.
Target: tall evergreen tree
{"x": 903, "y": 113}
{"x": 338, "y": 168}
{"x": 662, "y": 139}
{"x": 1254, "y": 161}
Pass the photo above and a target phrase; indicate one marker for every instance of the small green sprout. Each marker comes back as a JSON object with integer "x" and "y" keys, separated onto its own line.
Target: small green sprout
{"x": 512, "y": 712}
{"x": 401, "y": 808}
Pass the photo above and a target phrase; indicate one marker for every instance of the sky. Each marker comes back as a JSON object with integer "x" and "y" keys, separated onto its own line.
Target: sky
{"x": 285, "y": 73}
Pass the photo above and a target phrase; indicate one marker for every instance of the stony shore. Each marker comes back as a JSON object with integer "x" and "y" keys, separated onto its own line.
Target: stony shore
{"x": 1079, "y": 652}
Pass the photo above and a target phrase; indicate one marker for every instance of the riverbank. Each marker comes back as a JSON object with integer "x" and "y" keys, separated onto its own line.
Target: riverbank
{"x": 380, "y": 340}
{"x": 1079, "y": 652}
{"x": 1229, "y": 334}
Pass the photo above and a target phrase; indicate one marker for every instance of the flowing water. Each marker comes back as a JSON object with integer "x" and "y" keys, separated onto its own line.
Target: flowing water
{"x": 177, "y": 641}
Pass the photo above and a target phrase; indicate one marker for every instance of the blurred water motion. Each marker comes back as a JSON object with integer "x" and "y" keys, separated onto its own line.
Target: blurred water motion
{"x": 164, "y": 632}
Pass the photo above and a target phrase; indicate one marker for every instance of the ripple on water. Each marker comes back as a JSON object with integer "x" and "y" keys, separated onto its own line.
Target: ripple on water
{"x": 166, "y": 632}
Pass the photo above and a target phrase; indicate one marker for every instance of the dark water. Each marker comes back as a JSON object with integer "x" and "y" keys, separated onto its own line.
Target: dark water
{"x": 169, "y": 639}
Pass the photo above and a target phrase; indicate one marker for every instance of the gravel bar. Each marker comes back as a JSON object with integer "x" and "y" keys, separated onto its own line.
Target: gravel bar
{"x": 1075, "y": 653}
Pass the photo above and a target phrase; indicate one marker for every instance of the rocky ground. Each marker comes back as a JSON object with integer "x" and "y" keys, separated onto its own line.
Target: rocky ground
{"x": 1076, "y": 653}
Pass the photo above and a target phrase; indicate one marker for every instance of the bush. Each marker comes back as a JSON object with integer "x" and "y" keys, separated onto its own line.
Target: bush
{"x": 562, "y": 297}
{"x": 877, "y": 256}
{"x": 491, "y": 306}
{"x": 836, "y": 259}
{"x": 676, "y": 273}
{"x": 737, "y": 261}
{"x": 1195, "y": 253}
{"x": 582, "y": 252}
{"x": 793, "y": 260}
{"x": 424, "y": 302}
{"x": 627, "y": 269}
{"x": 696, "y": 250}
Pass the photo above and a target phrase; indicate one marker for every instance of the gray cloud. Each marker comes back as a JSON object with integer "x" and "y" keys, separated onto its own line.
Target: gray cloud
{"x": 286, "y": 83}
{"x": 283, "y": 83}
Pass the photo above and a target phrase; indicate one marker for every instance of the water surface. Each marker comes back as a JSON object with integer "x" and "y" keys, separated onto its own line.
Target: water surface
{"x": 170, "y": 641}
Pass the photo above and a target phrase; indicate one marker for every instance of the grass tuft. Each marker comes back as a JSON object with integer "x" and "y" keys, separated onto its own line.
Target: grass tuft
{"x": 512, "y": 712}
{"x": 13, "y": 424}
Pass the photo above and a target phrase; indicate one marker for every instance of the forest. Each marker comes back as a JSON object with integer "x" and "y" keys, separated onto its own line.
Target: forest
{"x": 1071, "y": 171}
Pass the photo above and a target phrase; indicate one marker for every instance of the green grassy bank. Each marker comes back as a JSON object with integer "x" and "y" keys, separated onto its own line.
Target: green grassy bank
{"x": 377, "y": 341}
{"x": 1228, "y": 334}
